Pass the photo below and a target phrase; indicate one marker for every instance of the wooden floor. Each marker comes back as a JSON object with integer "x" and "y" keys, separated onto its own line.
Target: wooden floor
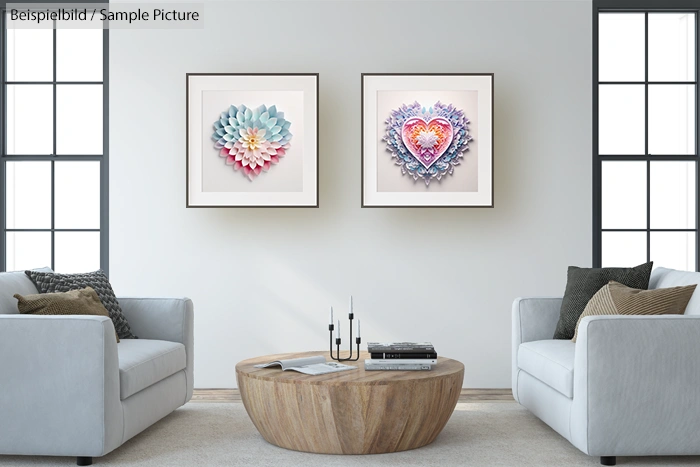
{"x": 468, "y": 395}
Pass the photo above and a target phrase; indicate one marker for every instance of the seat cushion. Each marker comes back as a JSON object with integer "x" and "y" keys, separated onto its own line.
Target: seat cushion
{"x": 144, "y": 362}
{"x": 550, "y": 361}
{"x": 662, "y": 278}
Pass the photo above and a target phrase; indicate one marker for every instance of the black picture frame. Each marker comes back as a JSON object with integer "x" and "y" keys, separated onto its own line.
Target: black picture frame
{"x": 188, "y": 203}
{"x": 363, "y": 76}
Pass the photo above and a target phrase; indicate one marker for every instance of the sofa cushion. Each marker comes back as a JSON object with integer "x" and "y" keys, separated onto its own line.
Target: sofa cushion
{"x": 583, "y": 283}
{"x": 663, "y": 277}
{"x": 144, "y": 362}
{"x": 54, "y": 282}
{"x": 617, "y": 299}
{"x": 12, "y": 283}
{"x": 550, "y": 361}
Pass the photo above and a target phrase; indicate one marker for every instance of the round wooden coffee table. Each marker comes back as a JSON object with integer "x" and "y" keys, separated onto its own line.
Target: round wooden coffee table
{"x": 351, "y": 412}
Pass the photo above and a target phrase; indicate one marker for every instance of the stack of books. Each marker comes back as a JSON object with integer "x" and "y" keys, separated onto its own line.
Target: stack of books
{"x": 412, "y": 356}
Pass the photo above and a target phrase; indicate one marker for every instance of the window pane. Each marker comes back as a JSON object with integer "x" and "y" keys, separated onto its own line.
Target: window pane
{"x": 79, "y": 54}
{"x": 77, "y": 252}
{"x": 675, "y": 250}
{"x": 77, "y": 195}
{"x": 28, "y": 250}
{"x": 672, "y": 195}
{"x": 28, "y": 201}
{"x": 29, "y": 54}
{"x": 671, "y": 47}
{"x": 30, "y": 119}
{"x": 624, "y": 195}
{"x": 671, "y": 119}
{"x": 79, "y": 119}
{"x": 621, "y": 119}
{"x": 621, "y": 47}
{"x": 624, "y": 249}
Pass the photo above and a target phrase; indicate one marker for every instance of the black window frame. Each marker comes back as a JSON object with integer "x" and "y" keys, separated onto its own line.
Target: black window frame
{"x": 102, "y": 158}
{"x": 643, "y": 6}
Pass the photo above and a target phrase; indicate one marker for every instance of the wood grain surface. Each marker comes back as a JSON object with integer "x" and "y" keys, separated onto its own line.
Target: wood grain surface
{"x": 352, "y": 412}
{"x": 467, "y": 396}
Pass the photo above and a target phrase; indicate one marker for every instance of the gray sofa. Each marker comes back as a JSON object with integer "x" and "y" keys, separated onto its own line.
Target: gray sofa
{"x": 627, "y": 387}
{"x": 68, "y": 389}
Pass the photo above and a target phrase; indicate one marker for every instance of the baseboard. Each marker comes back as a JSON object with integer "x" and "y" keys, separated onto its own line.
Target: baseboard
{"x": 467, "y": 395}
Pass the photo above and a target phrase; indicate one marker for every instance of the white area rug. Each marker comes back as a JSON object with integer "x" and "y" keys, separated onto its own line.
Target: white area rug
{"x": 220, "y": 434}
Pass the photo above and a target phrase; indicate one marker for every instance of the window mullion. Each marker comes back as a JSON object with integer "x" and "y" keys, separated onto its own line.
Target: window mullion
{"x": 646, "y": 129}
{"x": 53, "y": 163}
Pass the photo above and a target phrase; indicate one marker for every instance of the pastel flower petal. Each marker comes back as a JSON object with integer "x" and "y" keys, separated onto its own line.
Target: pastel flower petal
{"x": 251, "y": 140}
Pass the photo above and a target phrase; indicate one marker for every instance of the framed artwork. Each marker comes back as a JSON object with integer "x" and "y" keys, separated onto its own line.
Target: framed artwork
{"x": 427, "y": 140}
{"x": 252, "y": 140}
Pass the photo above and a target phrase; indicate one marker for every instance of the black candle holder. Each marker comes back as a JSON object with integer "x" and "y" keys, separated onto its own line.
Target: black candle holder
{"x": 331, "y": 328}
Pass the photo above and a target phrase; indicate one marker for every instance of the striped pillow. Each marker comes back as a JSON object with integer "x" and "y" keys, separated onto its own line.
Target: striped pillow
{"x": 618, "y": 299}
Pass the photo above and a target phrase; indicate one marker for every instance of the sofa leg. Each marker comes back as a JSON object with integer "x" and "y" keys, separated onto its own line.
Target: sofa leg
{"x": 88, "y": 461}
{"x": 608, "y": 460}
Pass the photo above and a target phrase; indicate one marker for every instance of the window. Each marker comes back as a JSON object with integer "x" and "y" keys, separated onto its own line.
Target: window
{"x": 53, "y": 143}
{"x": 645, "y": 133}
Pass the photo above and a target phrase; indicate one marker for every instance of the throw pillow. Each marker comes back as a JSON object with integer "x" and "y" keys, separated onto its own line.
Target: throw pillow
{"x": 53, "y": 282}
{"x": 583, "y": 283}
{"x": 76, "y": 302}
{"x": 617, "y": 299}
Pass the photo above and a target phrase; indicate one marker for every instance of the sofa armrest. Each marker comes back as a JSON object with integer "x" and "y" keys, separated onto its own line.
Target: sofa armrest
{"x": 533, "y": 319}
{"x": 167, "y": 319}
{"x": 636, "y": 381}
{"x": 59, "y": 386}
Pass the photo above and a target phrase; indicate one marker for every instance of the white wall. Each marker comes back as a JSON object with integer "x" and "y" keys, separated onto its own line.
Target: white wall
{"x": 262, "y": 279}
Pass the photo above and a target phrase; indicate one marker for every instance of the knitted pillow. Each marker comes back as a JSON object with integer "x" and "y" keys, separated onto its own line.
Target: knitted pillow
{"x": 47, "y": 282}
{"x": 76, "y": 302}
{"x": 583, "y": 283}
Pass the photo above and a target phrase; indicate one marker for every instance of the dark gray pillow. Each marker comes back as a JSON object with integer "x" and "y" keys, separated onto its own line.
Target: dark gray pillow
{"x": 583, "y": 283}
{"x": 49, "y": 282}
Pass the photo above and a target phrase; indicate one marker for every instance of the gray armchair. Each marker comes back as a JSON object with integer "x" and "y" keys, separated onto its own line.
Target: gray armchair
{"x": 68, "y": 389}
{"x": 627, "y": 387}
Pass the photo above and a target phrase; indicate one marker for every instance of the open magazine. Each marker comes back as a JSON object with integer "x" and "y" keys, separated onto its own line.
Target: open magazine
{"x": 308, "y": 365}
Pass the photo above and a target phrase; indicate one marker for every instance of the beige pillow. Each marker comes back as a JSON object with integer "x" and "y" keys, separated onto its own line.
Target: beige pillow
{"x": 618, "y": 299}
{"x": 76, "y": 302}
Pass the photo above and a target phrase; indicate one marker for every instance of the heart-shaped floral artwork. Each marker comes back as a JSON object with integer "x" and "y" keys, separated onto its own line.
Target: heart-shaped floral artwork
{"x": 427, "y": 143}
{"x": 252, "y": 140}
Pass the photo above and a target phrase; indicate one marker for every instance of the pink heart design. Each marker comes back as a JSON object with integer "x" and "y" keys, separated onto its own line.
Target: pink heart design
{"x": 427, "y": 141}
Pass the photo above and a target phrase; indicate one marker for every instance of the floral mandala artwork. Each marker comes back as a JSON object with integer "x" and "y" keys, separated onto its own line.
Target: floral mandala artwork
{"x": 252, "y": 140}
{"x": 427, "y": 143}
